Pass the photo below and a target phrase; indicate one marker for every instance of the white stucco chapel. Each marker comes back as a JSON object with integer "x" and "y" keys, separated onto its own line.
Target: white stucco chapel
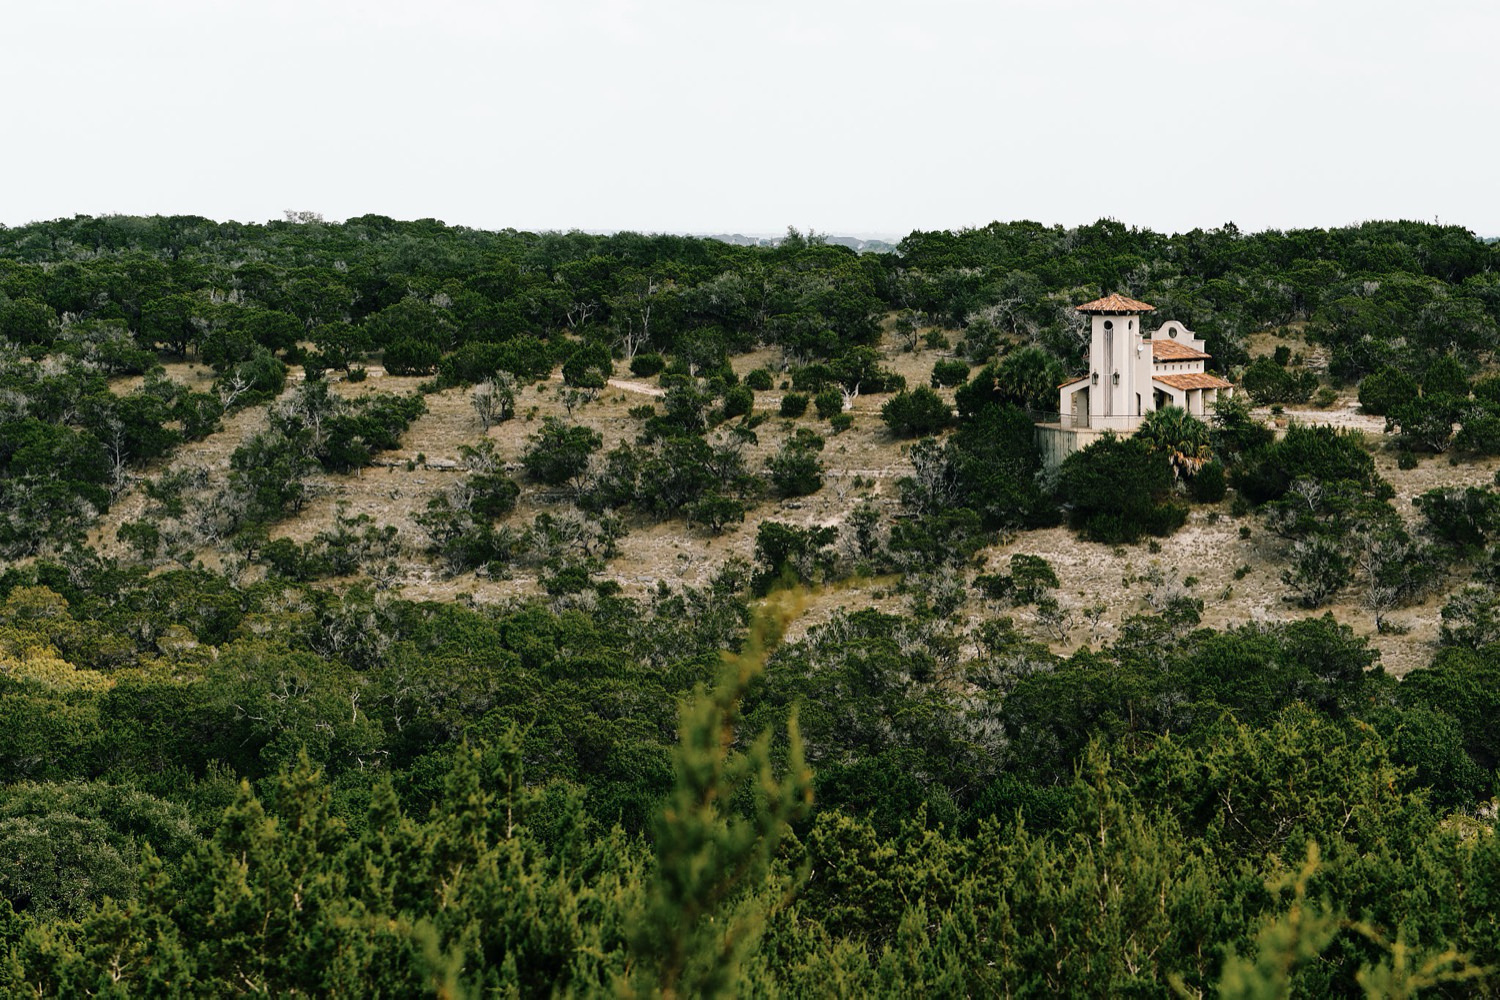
{"x": 1132, "y": 372}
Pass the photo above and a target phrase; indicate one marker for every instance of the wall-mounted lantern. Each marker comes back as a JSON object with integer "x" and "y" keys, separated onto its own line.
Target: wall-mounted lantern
{"x": 1094, "y": 379}
{"x": 1115, "y": 378}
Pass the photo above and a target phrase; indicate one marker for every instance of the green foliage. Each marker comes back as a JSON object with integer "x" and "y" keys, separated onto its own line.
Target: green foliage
{"x": 1464, "y": 518}
{"x": 1117, "y": 490}
{"x": 1381, "y": 392}
{"x": 1464, "y": 685}
{"x": 793, "y": 405}
{"x": 1426, "y": 423}
{"x": 1180, "y": 436}
{"x": 1319, "y": 453}
{"x": 1318, "y": 569}
{"x": 716, "y": 513}
{"x": 759, "y": 379}
{"x": 1029, "y": 579}
{"x": 795, "y": 469}
{"x": 69, "y": 845}
{"x": 916, "y": 413}
{"x": 412, "y": 357}
{"x": 1445, "y": 377}
{"x": 949, "y": 372}
{"x": 829, "y": 402}
{"x": 738, "y": 402}
{"x": 589, "y": 367}
{"x": 785, "y": 553}
{"x": 1267, "y": 382}
{"x": 1235, "y": 433}
{"x": 992, "y": 819}
{"x": 647, "y": 365}
{"x": 51, "y": 483}
{"x": 1209, "y": 483}
{"x": 713, "y": 887}
{"x": 559, "y": 453}
{"x": 1026, "y": 378}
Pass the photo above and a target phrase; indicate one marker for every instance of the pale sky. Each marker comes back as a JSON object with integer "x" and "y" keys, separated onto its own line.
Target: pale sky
{"x": 843, "y": 116}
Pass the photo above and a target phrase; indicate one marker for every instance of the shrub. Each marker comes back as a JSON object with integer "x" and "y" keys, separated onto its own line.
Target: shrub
{"x": 793, "y": 405}
{"x": 1471, "y": 618}
{"x": 829, "y": 402}
{"x": 1026, "y": 378}
{"x": 795, "y": 469}
{"x": 1030, "y": 578}
{"x": 1445, "y": 377}
{"x": 559, "y": 453}
{"x": 1487, "y": 389}
{"x": 199, "y": 413}
{"x": 412, "y": 357}
{"x": 647, "y": 365}
{"x": 1479, "y": 432}
{"x": 260, "y": 378}
{"x": 1116, "y": 491}
{"x": 1208, "y": 484}
{"x": 916, "y": 413}
{"x": 949, "y": 372}
{"x": 945, "y": 537}
{"x": 738, "y": 401}
{"x": 1385, "y": 390}
{"x": 841, "y": 422}
{"x": 1465, "y": 518}
{"x": 472, "y": 364}
{"x": 1426, "y": 423}
{"x": 811, "y": 378}
{"x": 1319, "y": 569}
{"x": 494, "y": 400}
{"x": 786, "y": 552}
{"x": 716, "y": 512}
{"x": 759, "y": 379}
{"x": 589, "y": 367}
{"x": 1267, "y": 382}
{"x": 527, "y": 358}
{"x": 1318, "y": 453}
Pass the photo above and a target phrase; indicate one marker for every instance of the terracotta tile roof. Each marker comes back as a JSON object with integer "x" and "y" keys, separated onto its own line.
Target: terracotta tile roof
{"x": 1170, "y": 350}
{"x": 1115, "y": 303}
{"x": 1193, "y": 380}
{"x": 1076, "y": 378}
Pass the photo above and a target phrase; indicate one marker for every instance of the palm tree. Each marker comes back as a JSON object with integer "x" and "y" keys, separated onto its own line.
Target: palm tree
{"x": 1180, "y": 435}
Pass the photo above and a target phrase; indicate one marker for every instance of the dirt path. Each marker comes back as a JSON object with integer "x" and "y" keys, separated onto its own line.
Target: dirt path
{"x": 626, "y": 384}
{"x": 640, "y": 387}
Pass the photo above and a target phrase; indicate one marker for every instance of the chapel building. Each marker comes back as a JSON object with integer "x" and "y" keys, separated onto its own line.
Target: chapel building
{"x": 1132, "y": 373}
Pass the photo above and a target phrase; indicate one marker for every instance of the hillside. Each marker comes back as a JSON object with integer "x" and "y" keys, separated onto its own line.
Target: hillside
{"x": 391, "y": 608}
{"x": 861, "y": 464}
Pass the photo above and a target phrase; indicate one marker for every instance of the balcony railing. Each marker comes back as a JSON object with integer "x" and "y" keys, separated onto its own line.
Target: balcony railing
{"x": 1083, "y": 421}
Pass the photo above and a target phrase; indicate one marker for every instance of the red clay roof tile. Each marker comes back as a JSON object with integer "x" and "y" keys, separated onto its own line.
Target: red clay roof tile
{"x": 1170, "y": 350}
{"x": 1193, "y": 380}
{"x": 1116, "y": 303}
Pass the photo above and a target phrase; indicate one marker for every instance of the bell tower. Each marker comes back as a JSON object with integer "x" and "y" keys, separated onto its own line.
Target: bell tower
{"x": 1119, "y": 361}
